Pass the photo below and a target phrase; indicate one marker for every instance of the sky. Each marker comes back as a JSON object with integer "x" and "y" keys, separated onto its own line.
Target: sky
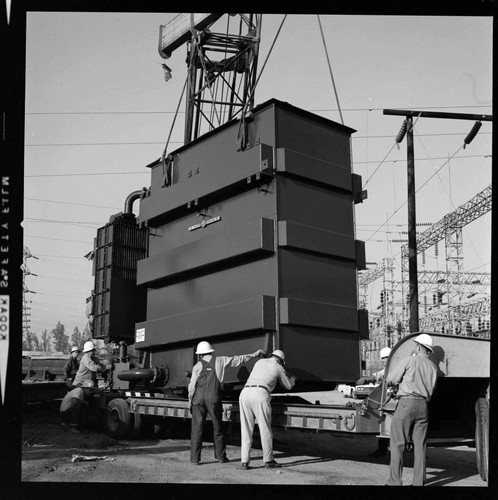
{"x": 98, "y": 110}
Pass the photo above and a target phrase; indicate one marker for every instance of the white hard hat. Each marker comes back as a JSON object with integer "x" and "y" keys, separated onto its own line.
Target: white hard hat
{"x": 384, "y": 352}
{"x": 88, "y": 346}
{"x": 204, "y": 348}
{"x": 425, "y": 340}
{"x": 88, "y": 383}
{"x": 280, "y": 354}
{"x": 75, "y": 348}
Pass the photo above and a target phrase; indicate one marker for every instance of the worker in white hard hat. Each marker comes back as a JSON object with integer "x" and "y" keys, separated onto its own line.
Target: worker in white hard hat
{"x": 89, "y": 366}
{"x": 382, "y": 442}
{"x": 416, "y": 377}
{"x": 255, "y": 405}
{"x": 71, "y": 366}
{"x": 384, "y": 355}
{"x": 204, "y": 394}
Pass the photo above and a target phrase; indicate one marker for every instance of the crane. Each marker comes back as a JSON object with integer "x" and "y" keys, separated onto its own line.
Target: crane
{"x": 217, "y": 89}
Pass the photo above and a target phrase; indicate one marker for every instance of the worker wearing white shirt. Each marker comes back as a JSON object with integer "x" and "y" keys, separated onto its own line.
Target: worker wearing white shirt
{"x": 255, "y": 404}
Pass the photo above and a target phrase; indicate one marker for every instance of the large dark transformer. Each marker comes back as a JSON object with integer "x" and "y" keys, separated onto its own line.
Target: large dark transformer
{"x": 251, "y": 245}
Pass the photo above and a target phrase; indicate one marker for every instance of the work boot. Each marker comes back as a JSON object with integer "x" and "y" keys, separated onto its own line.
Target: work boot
{"x": 224, "y": 460}
{"x": 245, "y": 465}
{"x": 272, "y": 464}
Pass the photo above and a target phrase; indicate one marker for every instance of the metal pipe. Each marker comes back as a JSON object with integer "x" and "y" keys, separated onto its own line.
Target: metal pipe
{"x": 128, "y": 206}
{"x": 137, "y": 374}
{"x": 122, "y": 351}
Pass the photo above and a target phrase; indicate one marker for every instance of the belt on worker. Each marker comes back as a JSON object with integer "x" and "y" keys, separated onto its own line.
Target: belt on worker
{"x": 262, "y": 387}
{"x": 413, "y": 396}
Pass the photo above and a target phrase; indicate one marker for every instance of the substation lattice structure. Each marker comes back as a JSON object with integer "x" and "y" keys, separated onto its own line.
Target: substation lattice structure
{"x": 26, "y": 307}
{"x": 451, "y": 301}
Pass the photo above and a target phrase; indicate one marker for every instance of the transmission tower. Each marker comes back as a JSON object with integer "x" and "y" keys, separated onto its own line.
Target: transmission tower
{"x": 449, "y": 229}
{"x": 26, "y": 308}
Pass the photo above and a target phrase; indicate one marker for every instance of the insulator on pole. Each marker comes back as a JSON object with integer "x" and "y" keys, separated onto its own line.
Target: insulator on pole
{"x": 402, "y": 132}
{"x": 472, "y": 134}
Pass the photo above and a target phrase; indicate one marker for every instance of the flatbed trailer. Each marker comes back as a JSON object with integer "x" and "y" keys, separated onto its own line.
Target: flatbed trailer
{"x": 289, "y": 411}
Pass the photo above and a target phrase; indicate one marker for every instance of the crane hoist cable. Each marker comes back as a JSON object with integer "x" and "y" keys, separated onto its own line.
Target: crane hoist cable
{"x": 330, "y": 68}
{"x": 166, "y": 164}
{"x": 242, "y": 132}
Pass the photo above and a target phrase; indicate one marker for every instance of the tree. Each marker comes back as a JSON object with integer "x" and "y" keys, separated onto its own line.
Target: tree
{"x": 30, "y": 342}
{"x": 77, "y": 338}
{"x": 36, "y": 342}
{"x": 46, "y": 341}
{"x": 61, "y": 340}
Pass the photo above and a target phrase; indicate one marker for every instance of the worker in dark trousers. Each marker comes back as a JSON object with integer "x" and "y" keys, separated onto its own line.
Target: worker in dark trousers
{"x": 75, "y": 408}
{"x": 204, "y": 393}
{"x": 71, "y": 367}
{"x": 416, "y": 376}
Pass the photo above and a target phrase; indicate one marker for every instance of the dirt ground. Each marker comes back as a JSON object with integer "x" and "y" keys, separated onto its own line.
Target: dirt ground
{"x": 307, "y": 458}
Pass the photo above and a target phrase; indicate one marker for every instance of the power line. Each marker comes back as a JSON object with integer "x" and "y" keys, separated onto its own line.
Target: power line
{"x": 67, "y": 223}
{"x": 70, "y": 203}
{"x": 145, "y": 172}
{"x": 87, "y": 174}
{"x": 57, "y": 239}
{"x": 41, "y": 113}
{"x": 99, "y": 144}
{"x": 59, "y": 257}
{"x": 403, "y": 204}
{"x": 153, "y": 143}
{"x": 426, "y": 159}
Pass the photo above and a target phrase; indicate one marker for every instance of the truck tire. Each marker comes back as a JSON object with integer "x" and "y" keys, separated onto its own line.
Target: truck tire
{"x": 482, "y": 437}
{"x": 117, "y": 419}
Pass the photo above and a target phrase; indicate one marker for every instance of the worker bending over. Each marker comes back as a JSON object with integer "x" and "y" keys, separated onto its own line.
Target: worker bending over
{"x": 204, "y": 394}
{"x": 255, "y": 404}
{"x": 73, "y": 406}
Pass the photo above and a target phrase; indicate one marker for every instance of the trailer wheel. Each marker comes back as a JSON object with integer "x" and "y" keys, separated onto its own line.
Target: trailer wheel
{"x": 482, "y": 437}
{"x": 117, "y": 419}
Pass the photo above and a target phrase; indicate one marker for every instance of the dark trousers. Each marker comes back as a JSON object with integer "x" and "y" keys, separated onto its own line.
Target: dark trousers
{"x": 72, "y": 415}
{"x": 199, "y": 414}
{"x": 411, "y": 418}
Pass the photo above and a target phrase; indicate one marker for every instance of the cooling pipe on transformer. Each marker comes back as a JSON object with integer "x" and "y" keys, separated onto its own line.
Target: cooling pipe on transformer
{"x": 130, "y": 199}
{"x": 154, "y": 375}
{"x": 142, "y": 374}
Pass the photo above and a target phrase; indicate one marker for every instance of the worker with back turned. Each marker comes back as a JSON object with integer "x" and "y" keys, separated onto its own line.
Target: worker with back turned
{"x": 416, "y": 377}
{"x": 204, "y": 394}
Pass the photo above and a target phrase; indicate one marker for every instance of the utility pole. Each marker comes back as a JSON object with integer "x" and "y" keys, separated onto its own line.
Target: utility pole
{"x": 412, "y": 227}
{"x": 412, "y": 237}
{"x": 26, "y": 309}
